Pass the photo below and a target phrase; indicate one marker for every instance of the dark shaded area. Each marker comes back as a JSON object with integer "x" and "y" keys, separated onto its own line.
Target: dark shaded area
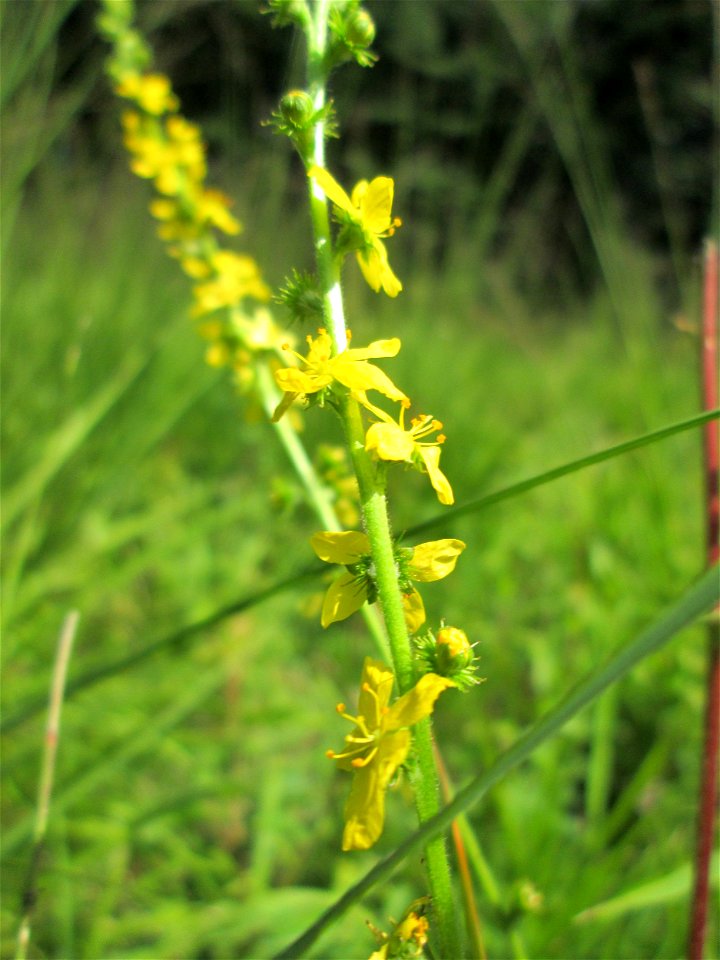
{"x": 482, "y": 111}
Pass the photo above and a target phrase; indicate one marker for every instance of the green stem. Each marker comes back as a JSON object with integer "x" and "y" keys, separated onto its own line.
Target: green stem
{"x": 371, "y": 483}
{"x": 317, "y": 492}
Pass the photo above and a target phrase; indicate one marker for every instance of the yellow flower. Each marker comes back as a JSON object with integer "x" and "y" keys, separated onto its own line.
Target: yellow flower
{"x": 409, "y": 936}
{"x": 236, "y": 276}
{"x": 369, "y": 208}
{"x": 391, "y": 440}
{"x": 171, "y": 154}
{"x": 350, "y": 548}
{"x": 189, "y": 218}
{"x": 378, "y": 745}
{"x": 349, "y": 368}
{"x": 152, "y": 92}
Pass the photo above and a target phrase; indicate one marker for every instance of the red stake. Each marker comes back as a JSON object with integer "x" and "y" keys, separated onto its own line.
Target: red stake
{"x": 711, "y": 747}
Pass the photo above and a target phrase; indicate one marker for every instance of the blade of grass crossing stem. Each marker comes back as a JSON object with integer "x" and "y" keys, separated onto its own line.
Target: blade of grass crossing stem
{"x": 186, "y": 633}
{"x": 572, "y": 466}
{"x": 47, "y": 776}
{"x": 695, "y": 602}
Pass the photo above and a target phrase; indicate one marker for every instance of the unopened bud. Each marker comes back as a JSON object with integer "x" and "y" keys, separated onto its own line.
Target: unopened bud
{"x": 296, "y": 109}
{"x": 360, "y": 29}
{"x": 453, "y": 650}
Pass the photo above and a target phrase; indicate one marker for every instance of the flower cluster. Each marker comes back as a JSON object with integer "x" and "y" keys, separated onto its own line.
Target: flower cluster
{"x": 168, "y": 150}
{"x": 322, "y": 374}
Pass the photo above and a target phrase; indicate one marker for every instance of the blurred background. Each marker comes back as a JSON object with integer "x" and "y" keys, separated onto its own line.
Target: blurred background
{"x": 555, "y": 170}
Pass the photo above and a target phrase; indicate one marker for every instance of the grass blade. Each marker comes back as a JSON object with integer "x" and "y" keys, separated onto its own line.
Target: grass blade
{"x": 473, "y": 506}
{"x": 672, "y": 886}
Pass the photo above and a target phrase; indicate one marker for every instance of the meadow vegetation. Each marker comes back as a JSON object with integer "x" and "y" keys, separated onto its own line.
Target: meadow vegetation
{"x": 195, "y": 813}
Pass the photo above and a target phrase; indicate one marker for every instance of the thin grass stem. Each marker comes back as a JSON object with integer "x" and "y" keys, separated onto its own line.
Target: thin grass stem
{"x": 47, "y": 775}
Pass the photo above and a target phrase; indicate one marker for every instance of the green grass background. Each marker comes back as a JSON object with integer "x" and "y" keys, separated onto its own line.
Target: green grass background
{"x": 194, "y": 813}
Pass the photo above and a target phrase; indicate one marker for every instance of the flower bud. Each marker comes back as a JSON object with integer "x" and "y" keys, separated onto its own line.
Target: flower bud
{"x": 296, "y": 109}
{"x": 453, "y": 650}
{"x": 359, "y": 29}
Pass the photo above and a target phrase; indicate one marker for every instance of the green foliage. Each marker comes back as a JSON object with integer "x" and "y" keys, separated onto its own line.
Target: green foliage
{"x": 195, "y": 813}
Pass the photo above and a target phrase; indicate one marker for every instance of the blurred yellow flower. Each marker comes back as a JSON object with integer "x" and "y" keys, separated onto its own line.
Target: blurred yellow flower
{"x": 378, "y": 745}
{"x": 408, "y": 938}
{"x": 151, "y": 91}
{"x": 349, "y": 368}
{"x": 392, "y": 440}
{"x": 171, "y": 154}
{"x": 369, "y": 208}
{"x": 236, "y": 276}
{"x": 351, "y": 548}
{"x": 189, "y": 217}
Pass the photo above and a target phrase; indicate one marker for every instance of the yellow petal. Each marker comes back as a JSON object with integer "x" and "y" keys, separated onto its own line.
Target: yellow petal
{"x": 414, "y": 610}
{"x": 440, "y": 483}
{"x": 358, "y": 193}
{"x": 380, "y": 954}
{"x": 292, "y": 380}
{"x": 373, "y": 701}
{"x": 377, "y": 271}
{"x": 286, "y": 402}
{"x": 365, "y": 808}
{"x": 417, "y": 703}
{"x": 435, "y": 560}
{"x": 389, "y": 442}
{"x": 344, "y": 547}
{"x": 376, "y": 204}
{"x": 342, "y": 599}
{"x": 332, "y": 190}
{"x": 375, "y": 350}
{"x": 362, "y": 376}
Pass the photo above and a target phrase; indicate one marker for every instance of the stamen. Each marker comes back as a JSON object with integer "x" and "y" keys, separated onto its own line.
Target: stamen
{"x": 364, "y": 761}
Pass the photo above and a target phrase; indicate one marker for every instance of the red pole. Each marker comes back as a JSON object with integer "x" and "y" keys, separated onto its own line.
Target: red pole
{"x": 711, "y": 747}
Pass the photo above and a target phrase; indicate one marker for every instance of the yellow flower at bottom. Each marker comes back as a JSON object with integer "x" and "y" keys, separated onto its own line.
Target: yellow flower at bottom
{"x": 378, "y": 745}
